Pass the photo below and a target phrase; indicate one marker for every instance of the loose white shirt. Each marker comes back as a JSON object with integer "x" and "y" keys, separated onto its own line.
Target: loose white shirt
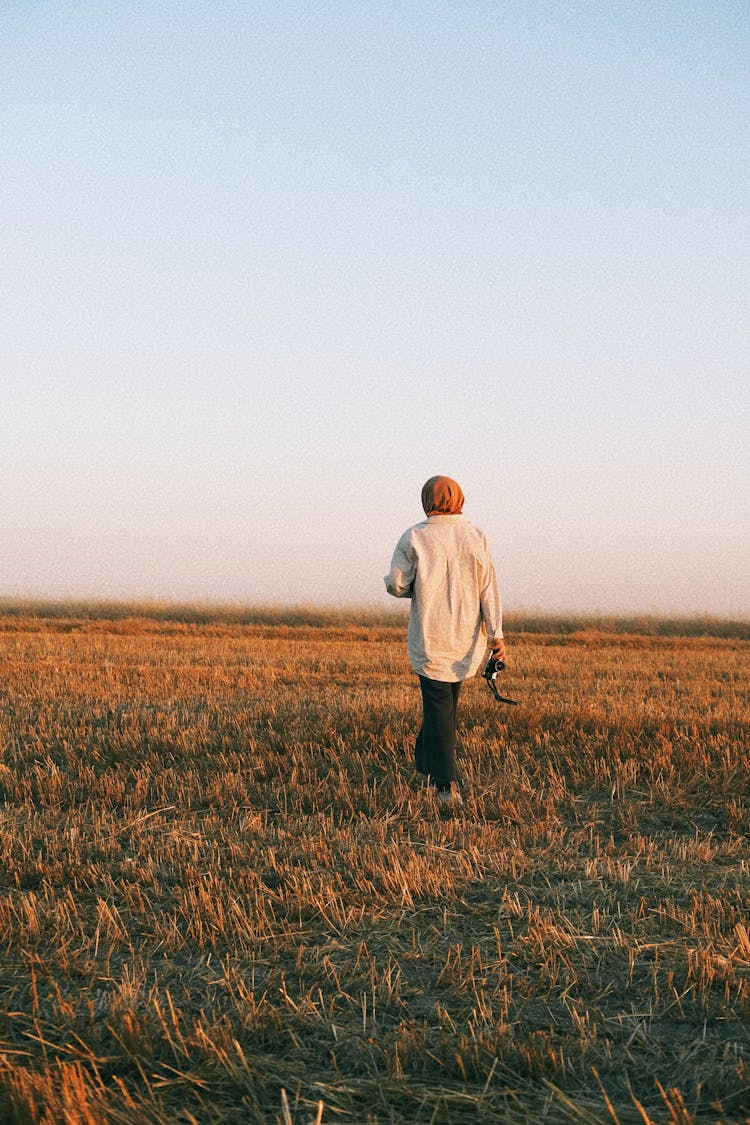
{"x": 444, "y": 565}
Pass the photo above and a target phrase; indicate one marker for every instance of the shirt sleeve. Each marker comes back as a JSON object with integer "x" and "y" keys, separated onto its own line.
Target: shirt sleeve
{"x": 489, "y": 599}
{"x": 400, "y": 580}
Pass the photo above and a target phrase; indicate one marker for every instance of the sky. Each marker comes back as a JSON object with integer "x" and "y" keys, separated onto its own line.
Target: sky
{"x": 266, "y": 267}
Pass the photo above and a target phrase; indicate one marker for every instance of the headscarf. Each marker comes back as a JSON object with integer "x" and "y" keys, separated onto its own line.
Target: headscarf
{"x": 442, "y": 496}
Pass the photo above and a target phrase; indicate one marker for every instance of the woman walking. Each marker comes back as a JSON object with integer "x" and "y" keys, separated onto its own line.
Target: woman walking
{"x": 444, "y": 565}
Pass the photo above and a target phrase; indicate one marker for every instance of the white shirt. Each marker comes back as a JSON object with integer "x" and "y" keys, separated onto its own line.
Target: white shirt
{"x": 444, "y": 565}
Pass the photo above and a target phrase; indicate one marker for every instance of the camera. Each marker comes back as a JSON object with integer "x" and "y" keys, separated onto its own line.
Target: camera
{"x": 492, "y": 667}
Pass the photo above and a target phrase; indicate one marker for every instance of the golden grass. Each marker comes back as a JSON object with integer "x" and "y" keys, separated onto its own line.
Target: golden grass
{"x": 224, "y": 896}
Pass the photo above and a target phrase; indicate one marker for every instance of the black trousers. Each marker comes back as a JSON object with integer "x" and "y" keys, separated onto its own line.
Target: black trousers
{"x": 435, "y": 749}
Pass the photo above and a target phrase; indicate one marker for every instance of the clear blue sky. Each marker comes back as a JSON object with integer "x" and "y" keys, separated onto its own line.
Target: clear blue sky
{"x": 268, "y": 266}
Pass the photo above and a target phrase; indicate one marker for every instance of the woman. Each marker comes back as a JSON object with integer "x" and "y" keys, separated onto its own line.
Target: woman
{"x": 444, "y": 565}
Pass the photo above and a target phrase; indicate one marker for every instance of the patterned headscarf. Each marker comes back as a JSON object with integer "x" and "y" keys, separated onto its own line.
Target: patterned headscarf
{"x": 442, "y": 496}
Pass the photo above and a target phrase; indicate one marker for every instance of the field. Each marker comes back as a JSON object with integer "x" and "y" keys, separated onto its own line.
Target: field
{"x": 225, "y": 897}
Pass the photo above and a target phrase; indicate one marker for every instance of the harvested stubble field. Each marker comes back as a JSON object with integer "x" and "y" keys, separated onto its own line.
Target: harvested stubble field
{"x": 225, "y": 898}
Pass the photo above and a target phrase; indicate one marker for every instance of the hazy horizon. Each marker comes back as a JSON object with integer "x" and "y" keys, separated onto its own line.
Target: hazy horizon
{"x": 266, "y": 268}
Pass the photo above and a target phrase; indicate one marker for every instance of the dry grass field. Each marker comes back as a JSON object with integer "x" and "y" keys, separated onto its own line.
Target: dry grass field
{"x": 224, "y": 896}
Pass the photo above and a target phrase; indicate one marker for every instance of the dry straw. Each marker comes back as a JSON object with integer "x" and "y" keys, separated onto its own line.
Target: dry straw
{"x": 225, "y": 898}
